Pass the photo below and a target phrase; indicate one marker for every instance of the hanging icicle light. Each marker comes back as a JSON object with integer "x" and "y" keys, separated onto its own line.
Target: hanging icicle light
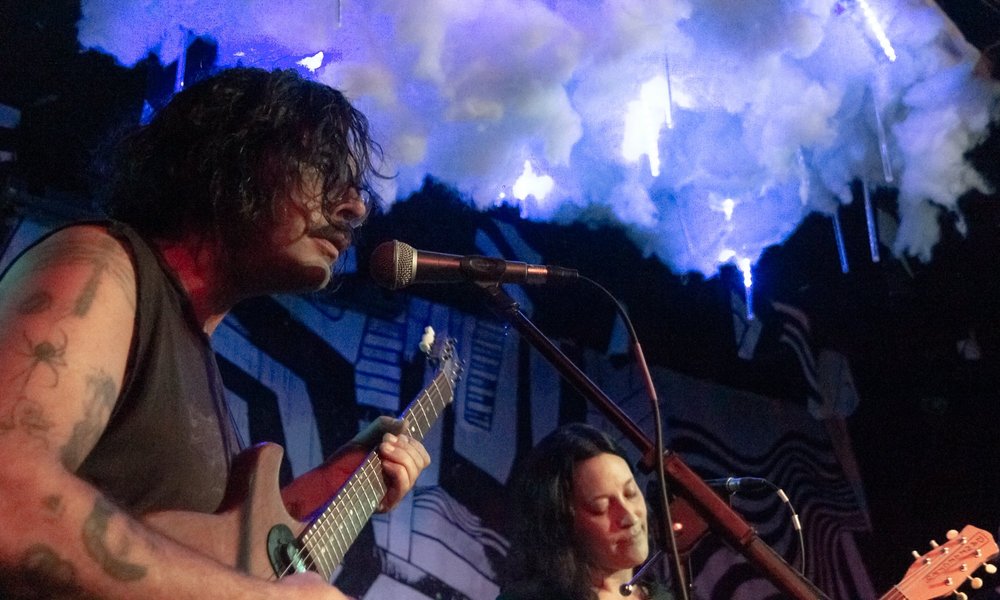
{"x": 871, "y": 19}
{"x": 186, "y": 37}
{"x": 878, "y": 93}
{"x": 644, "y": 119}
{"x": 870, "y": 220}
{"x": 670, "y": 93}
{"x": 838, "y": 234}
{"x": 743, "y": 264}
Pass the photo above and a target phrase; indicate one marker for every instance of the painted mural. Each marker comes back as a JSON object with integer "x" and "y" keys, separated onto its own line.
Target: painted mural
{"x": 307, "y": 371}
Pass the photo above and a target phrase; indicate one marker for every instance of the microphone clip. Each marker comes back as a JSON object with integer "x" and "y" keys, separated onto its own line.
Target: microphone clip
{"x": 739, "y": 484}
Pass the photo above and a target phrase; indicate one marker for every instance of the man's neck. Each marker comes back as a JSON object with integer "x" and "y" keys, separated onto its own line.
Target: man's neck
{"x": 197, "y": 265}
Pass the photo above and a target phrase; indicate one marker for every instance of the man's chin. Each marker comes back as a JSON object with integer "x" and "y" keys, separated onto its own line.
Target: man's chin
{"x": 321, "y": 283}
{"x": 312, "y": 279}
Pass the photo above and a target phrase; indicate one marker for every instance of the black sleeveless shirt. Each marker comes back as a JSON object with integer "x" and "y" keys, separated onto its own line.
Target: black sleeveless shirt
{"x": 170, "y": 440}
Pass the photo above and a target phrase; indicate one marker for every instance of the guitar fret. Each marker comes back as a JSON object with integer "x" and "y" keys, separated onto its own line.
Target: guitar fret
{"x": 416, "y": 424}
{"x": 318, "y": 556}
{"x": 329, "y": 562}
{"x": 339, "y": 524}
{"x": 372, "y": 501}
{"x": 434, "y": 405}
{"x": 322, "y": 539}
{"x": 332, "y": 543}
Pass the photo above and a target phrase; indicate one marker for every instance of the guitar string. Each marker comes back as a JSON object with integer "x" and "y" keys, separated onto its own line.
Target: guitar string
{"x": 371, "y": 476}
{"x": 370, "y": 471}
{"x": 321, "y": 526}
{"x": 324, "y": 531}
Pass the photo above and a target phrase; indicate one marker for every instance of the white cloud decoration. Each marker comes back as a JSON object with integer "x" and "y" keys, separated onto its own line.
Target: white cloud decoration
{"x": 771, "y": 108}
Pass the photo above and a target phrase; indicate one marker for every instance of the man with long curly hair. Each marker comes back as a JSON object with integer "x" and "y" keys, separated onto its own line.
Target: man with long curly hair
{"x": 249, "y": 182}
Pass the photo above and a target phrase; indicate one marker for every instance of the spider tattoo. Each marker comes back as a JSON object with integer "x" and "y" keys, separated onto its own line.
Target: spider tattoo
{"x": 45, "y": 353}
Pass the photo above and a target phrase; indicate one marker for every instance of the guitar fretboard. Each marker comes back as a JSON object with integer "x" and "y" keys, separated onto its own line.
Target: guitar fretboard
{"x": 893, "y": 594}
{"x": 326, "y": 540}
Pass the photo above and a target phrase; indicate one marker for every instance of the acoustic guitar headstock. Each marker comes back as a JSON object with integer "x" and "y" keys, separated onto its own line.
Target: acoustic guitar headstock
{"x": 947, "y": 566}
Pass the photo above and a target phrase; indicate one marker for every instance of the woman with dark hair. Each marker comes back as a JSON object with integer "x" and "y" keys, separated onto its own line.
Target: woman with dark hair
{"x": 580, "y": 521}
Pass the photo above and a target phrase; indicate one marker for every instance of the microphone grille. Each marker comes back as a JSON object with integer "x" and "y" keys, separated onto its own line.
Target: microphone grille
{"x": 392, "y": 264}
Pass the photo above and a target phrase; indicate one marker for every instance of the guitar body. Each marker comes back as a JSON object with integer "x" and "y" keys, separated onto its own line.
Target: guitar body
{"x": 253, "y": 530}
{"x": 237, "y": 535}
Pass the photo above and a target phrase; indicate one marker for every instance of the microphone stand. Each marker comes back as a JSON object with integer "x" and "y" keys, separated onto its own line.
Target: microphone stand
{"x": 708, "y": 506}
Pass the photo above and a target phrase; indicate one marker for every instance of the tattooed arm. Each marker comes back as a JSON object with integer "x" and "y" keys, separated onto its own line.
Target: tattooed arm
{"x": 66, "y": 314}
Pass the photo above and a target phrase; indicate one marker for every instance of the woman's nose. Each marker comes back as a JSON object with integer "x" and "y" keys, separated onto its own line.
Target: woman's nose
{"x": 628, "y": 518}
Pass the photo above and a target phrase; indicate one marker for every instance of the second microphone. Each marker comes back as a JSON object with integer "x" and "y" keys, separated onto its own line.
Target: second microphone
{"x": 396, "y": 265}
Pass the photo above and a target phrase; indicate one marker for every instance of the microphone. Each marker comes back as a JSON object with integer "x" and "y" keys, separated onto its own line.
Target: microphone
{"x": 626, "y": 589}
{"x": 739, "y": 484}
{"x": 395, "y": 265}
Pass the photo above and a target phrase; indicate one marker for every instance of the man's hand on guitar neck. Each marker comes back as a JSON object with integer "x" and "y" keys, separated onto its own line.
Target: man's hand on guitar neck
{"x": 402, "y": 457}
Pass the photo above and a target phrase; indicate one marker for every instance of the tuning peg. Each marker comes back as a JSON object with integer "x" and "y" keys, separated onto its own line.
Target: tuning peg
{"x": 991, "y": 569}
{"x": 427, "y": 340}
{"x": 961, "y": 596}
{"x": 976, "y": 583}
{"x": 952, "y": 534}
{"x": 934, "y": 544}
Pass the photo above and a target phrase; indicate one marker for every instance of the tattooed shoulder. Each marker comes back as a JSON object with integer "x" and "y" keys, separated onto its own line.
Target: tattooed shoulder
{"x": 102, "y": 257}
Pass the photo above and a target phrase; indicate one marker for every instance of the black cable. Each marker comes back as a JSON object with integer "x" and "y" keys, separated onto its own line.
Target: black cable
{"x": 640, "y": 360}
{"x": 796, "y": 523}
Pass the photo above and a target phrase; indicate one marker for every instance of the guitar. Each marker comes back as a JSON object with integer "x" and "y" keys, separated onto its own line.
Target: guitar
{"x": 252, "y": 530}
{"x": 941, "y": 571}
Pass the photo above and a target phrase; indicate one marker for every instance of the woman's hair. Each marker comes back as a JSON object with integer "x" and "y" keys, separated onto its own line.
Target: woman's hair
{"x": 544, "y": 560}
{"x": 219, "y": 158}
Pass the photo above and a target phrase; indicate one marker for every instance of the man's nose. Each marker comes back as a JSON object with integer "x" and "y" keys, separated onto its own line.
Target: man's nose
{"x": 351, "y": 209}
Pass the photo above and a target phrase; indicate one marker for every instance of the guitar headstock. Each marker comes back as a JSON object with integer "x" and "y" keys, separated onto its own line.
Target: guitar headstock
{"x": 441, "y": 352}
{"x": 945, "y": 567}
